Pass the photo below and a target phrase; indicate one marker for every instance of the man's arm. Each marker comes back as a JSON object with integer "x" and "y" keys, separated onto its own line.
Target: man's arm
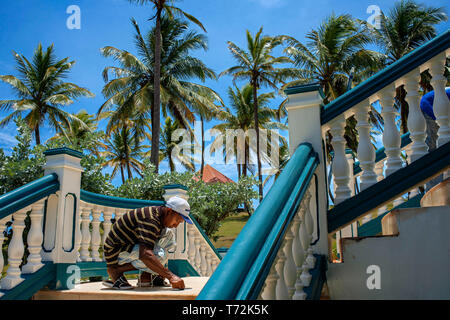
{"x": 147, "y": 256}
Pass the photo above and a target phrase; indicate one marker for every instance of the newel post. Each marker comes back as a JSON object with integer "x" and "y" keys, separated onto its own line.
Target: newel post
{"x": 303, "y": 107}
{"x": 62, "y": 214}
{"x": 181, "y": 251}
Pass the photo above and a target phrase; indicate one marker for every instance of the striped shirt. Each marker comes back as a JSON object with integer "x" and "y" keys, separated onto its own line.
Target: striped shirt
{"x": 139, "y": 226}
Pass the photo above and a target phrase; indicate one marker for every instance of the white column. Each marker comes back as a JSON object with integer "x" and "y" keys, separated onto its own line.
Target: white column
{"x": 35, "y": 238}
{"x": 107, "y": 216}
{"x": 191, "y": 244}
{"x": 340, "y": 169}
{"x": 391, "y": 135}
{"x": 2, "y": 238}
{"x": 309, "y": 222}
{"x": 208, "y": 264}
{"x": 203, "y": 266}
{"x": 198, "y": 258}
{"x": 298, "y": 254}
{"x": 16, "y": 250}
{"x": 416, "y": 120}
{"x": 269, "y": 289}
{"x": 441, "y": 103}
{"x": 289, "y": 266}
{"x": 86, "y": 235}
{"x": 379, "y": 168}
{"x": 95, "y": 238}
{"x": 281, "y": 289}
{"x": 366, "y": 151}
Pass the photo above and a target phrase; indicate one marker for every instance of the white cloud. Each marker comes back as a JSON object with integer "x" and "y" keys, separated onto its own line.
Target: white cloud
{"x": 7, "y": 139}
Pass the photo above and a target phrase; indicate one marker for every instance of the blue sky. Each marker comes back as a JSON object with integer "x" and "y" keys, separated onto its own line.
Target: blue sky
{"x": 25, "y": 23}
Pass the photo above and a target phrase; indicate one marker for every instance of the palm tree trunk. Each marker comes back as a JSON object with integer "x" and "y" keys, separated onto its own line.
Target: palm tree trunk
{"x": 37, "y": 135}
{"x": 154, "y": 157}
{"x": 245, "y": 164}
{"x": 127, "y": 153}
{"x": 202, "y": 165}
{"x": 404, "y": 108}
{"x": 239, "y": 170}
{"x": 255, "y": 105}
{"x": 123, "y": 174}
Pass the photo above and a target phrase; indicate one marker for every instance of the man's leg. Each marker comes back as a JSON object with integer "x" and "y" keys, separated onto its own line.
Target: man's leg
{"x": 116, "y": 271}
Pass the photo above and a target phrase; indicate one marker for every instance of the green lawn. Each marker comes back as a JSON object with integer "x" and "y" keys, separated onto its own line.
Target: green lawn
{"x": 229, "y": 230}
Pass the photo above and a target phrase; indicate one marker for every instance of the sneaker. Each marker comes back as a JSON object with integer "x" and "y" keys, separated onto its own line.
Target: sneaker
{"x": 122, "y": 284}
{"x": 108, "y": 283}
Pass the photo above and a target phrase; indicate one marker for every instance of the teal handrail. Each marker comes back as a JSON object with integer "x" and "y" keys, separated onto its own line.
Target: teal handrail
{"x": 28, "y": 194}
{"x": 244, "y": 268}
{"x": 117, "y": 202}
{"x": 401, "y": 67}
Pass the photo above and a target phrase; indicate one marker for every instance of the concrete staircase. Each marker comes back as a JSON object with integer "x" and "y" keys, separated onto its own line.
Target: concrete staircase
{"x": 411, "y": 258}
{"x": 96, "y": 291}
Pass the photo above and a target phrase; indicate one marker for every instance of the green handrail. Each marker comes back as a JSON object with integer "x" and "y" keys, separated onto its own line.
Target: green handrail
{"x": 28, "y": 194}
{"x": 244, "y": 268}
{"x": 117, "y": 202}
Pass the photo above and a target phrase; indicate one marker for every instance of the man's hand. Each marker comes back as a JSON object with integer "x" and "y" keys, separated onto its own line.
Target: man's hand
{"x": 176, "y": 282}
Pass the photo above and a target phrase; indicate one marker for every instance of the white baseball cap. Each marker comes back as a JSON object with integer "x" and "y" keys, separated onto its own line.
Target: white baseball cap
{"x": 181, "y": 206}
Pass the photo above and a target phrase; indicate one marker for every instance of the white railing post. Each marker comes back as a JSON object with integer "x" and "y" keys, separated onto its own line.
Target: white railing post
{"x": 281, "y": 290}
{"x": 63, "y": 209}
{"x": 95, "y": 237}
{"x": 289, "y": 266}
{"x": 303, "y": 107}
{"x": 16, "y": 250}
{"x": 441, "y": 103}
{"x": 191, "y": 244}
{"x": 391, "y": 135}
{"x": 86, "y": 235}
{"x": 416, "y": 120}
{"x": 107, "y": 216}
{"x": 269, "y": 290}
{"x": 298, "y": 253}
{"x": 35, "y": 238}
{"x": 366, "y": 152}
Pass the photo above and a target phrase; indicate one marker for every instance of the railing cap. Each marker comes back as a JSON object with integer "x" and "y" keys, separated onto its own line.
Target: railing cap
{"x": 65, "y": 150}
{"x": 175, "y": 186}
{"x": 305, "y": 88}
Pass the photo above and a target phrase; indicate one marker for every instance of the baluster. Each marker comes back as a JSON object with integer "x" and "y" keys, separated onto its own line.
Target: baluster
{"x": 16, "y": 250}
{"x": 379, "y": 167}
{"x": 269, "y": 290}
{"x": 416, "y": 120}
{"x": 340, "y": 167}
{"x": 298, "y": 254}
{"x": 34, "y": 239}
{"x": 289, "y": 266}
{"x": 366, "y": 152}
{"x": 441, "y": 103}
{"x": 391, "y": 135}
{"x": 208, "y": 264}
{"x": 309, "y": 222}
{"x": 79, "y": 235}
{"x": 203, "y": 259}
{"x": 107, "y": 216}
{"x": 95, "y": 238}
{"x": 2, "y": 238}
{"x": 191, "y": 244}
{"x": 281, "y": 290}
{"x": 86, "y": 235}
{"x": 198, "y": 258}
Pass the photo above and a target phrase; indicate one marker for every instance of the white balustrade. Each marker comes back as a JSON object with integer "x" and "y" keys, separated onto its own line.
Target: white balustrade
{"x": 281, "y": 290}
{"x": 86, "y": 234}
{"x": 35, "y": 238}
{"x": 366, "y": 152}
{"x": 107, "y": 216}
{"x": 16, "y": 250}
{"x": 289, "y": 265}
{"x": 191, "y": 244}
{"x": 3, "y": 223}
{"x": 198, "y": 258}
{"x": 269, "y": 289}
{"x": 340, "y": 167}
{"x": 298, "y": 254}
{"x": 203, "y": 266}
{"x": 95, "y": 235}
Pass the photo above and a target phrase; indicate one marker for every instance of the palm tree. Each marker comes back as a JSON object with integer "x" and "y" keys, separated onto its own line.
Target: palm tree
{"x": 407, "y": 26}
{"x": 257, "y": 65}
{"x": 160, "y": 6}
{"x": 132, "y": 85}
{"x": 168, "y": 145}
{"x": 42, "y": 92}
{"x": 334, "y": 54}
{"x": 240, "y": 117}
{"x": 123, "y": 152}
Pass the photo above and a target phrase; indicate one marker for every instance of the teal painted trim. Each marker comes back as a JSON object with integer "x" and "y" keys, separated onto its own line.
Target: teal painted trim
{"x": 182, "y": 268}
{"x": 175, "y": 186}
{"x": 32, "y": 283}
{"x": 71, "y": 152}
{"x": 117, "y": 202}
{"x": 202, "y": 232}
{"x": 305, "y": 88}
{"x": 28, "y": 194}
{"x": 392, "y": 186}
{"x": 269, "y": 220}
{"x": 386, "y": 76}
{"x": 96, "y": 269}
{"x": 373, "y": 227}
{"x": 318, "y": 278}
{"x": 381, "y": 155}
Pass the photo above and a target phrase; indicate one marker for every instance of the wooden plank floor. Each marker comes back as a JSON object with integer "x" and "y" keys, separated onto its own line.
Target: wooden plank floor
{"x": 96, "y": 291}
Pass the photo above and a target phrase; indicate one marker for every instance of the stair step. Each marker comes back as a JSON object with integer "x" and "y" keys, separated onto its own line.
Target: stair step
{"x": 96, "y": 291}
{"x": 439, "y": 195}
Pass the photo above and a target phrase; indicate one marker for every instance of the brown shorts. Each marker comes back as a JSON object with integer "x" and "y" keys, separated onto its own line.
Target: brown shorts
{"x": 112, "y": 251}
